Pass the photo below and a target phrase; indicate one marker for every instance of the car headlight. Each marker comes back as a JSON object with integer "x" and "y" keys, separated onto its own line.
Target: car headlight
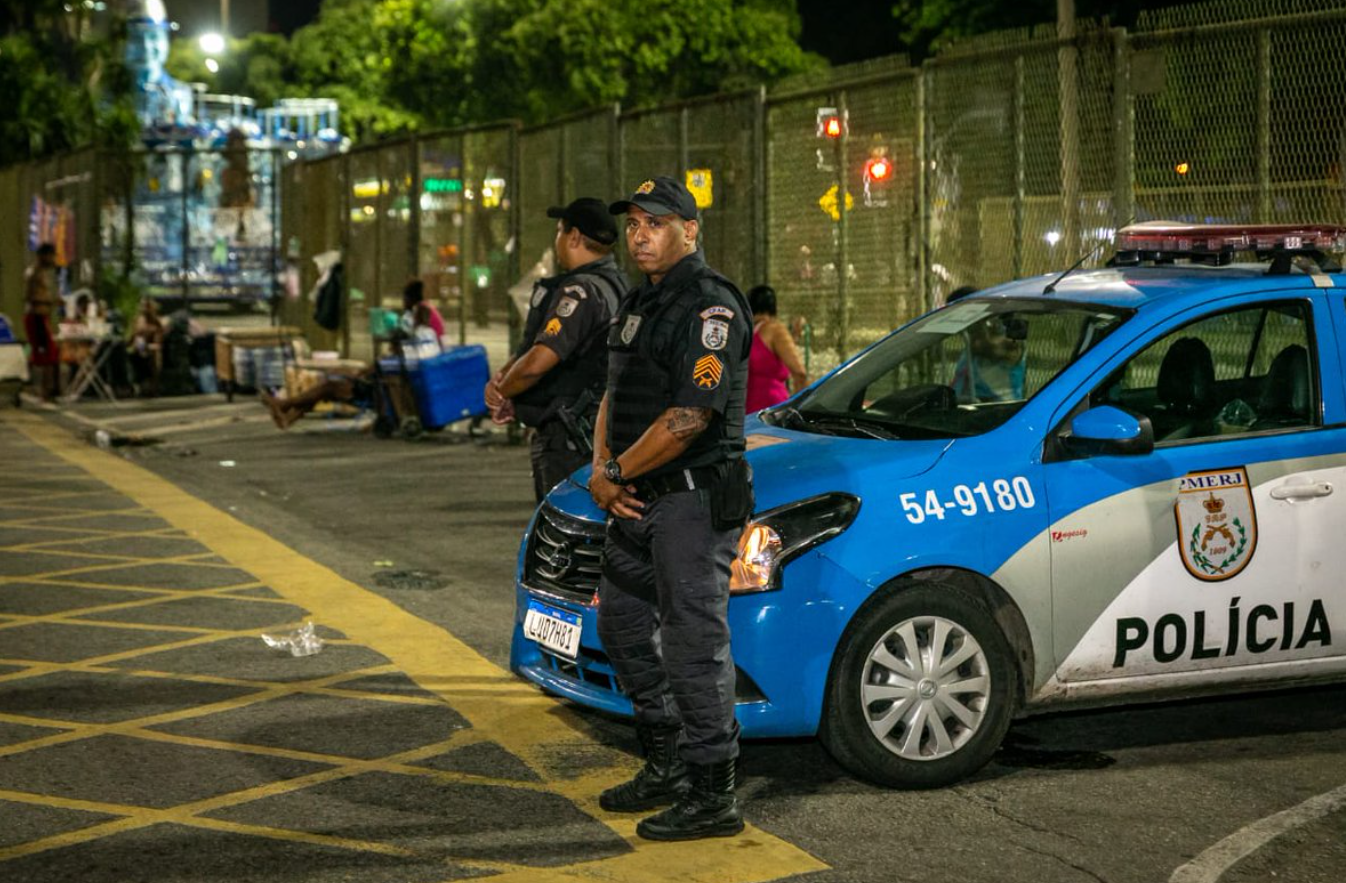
{"x": 775, "y": 537}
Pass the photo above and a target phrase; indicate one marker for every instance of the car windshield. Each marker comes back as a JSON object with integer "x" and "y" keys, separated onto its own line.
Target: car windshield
{"x": 959, "y": 371}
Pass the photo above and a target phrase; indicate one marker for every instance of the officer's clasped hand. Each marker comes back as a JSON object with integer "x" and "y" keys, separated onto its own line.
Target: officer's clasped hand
{"x": 613, "y": 498}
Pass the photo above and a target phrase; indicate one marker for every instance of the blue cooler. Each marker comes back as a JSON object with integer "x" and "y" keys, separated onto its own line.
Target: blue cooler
{"x": 448, "y": 386}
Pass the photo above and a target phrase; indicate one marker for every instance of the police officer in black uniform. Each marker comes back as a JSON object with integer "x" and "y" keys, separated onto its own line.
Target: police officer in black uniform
{"x": 555, "y": 380}
{"x": 670, "y": 472}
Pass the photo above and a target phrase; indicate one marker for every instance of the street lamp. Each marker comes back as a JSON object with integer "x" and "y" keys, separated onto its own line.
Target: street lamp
{"x": 212, "y": 44}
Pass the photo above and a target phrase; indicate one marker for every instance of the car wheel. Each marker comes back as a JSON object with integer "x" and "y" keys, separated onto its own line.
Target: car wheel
{"x": 922, "y": 689}
{"x": 411, "y": 427}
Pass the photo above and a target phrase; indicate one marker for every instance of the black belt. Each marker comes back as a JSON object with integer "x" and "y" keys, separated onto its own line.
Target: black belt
{"x": 690, "y": 479}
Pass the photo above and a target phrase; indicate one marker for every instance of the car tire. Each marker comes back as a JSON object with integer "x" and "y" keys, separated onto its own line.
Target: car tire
{"x": 890, "y": 715}
{"x": 411, "y": 427}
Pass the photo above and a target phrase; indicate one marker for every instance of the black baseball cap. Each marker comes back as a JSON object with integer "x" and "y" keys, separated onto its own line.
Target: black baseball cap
{"x": 660, "y": 196}
{"x": 589, "y": 216}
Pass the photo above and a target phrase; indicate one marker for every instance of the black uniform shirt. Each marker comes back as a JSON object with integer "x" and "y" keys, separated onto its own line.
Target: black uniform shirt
{"x": 576, "y": 312}
{"x": 694, "y": 330}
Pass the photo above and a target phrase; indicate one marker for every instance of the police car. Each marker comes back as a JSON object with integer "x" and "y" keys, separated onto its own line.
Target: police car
{"x": 1094, "y": 487}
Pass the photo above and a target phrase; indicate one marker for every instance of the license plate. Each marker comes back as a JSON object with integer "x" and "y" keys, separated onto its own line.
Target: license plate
{"x": 557, "y": 630}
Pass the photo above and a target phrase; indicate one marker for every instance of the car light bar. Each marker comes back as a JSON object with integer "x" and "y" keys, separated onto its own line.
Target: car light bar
{"x": 1164, "y": 237}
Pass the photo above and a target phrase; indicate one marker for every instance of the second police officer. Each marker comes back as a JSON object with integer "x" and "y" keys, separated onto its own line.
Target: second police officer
{"x": 669, "y": 471}
{"x": 555, "y": 379}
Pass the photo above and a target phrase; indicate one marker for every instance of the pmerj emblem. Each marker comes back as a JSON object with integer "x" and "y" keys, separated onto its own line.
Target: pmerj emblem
{"x": 566, "y": 307}
{"x": 714, "y": 333}
{"x": 630, "y": 328}
{"x": 1217, "y": 523}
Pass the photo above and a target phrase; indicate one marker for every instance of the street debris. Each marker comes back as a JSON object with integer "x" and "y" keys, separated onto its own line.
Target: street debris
{"x": 104, "y": 440}
{"x": 228, "y": 464}
{"x": 300, "y": 643}
{"x": 422, "y": 580}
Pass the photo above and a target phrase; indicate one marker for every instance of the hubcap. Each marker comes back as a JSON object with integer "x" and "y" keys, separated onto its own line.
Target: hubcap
{"x": 925, "y": 688}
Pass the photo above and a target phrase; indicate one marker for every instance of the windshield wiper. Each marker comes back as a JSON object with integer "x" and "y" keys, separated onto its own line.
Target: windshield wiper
{"x": 871, "y": 428}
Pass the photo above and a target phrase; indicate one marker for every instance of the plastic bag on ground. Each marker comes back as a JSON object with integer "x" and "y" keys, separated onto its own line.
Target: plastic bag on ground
{"x": 303, "y": 642}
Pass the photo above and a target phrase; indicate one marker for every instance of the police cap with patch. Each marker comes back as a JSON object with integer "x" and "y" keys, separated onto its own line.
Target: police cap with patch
{"x": 660, "y": 196}
{"x": 589, "y": 216}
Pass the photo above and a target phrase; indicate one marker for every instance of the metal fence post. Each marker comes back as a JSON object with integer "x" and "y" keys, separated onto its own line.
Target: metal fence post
{"x": 1067, "y": 56}
{"x": 186, "y": 229}
{"x": 414, "y": 204}
{"x": 923, "y": 292}
{"x": 843, "y": 231}
{"x": 344, "y": 204}
{"x": 1123, "y": 133}
{"x": 1020, "y": 172}
{"x": 761, "y": 259}
{"x": 1264, "y": 125}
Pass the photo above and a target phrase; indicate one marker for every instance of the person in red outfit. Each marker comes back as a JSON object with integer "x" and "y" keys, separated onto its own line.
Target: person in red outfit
{"x": 774, "y": 359}
{"x": 40, "y": 300}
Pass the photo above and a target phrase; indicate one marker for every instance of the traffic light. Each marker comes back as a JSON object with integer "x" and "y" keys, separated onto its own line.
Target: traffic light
{"x": 831, "y": 124}
{"x": 878, "y": 173}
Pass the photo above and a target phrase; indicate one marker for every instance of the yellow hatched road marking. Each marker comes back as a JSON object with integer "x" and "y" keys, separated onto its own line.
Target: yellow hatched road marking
{"x": 526, "y": 723}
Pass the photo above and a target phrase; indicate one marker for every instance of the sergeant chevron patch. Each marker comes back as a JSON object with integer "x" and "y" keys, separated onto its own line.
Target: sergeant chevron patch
{"x": 707, "y": 372}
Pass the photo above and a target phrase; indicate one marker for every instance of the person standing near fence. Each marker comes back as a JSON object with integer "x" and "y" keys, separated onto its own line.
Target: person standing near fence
{"x": 40, "y": 301}
{"x": 555, "y": 379}
{"x": 669, "y": 471}
{"x": 774, "y": 357}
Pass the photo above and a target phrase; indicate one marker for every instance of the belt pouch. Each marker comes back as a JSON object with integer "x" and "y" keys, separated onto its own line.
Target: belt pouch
{"x": 731, "y": 498}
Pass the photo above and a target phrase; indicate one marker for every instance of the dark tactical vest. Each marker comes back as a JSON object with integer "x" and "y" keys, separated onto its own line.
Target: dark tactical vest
{"x": 640, "y": 382}
{"x": 584, "y": 369}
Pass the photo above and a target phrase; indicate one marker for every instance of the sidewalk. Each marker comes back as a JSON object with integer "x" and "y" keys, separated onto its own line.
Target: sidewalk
{"x": 146, "y": 732}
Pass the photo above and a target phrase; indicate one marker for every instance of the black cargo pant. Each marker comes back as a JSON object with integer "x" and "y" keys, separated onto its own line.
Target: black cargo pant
{"x": 552, "y": 456}
{"x": 663, "y": 618}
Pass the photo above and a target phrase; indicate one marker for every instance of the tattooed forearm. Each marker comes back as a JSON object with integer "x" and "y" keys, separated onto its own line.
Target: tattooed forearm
{"x": 687, "y": 423}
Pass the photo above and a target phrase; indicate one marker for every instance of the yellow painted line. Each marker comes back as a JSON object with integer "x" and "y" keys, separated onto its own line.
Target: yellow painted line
{"x": 528, "y": 724}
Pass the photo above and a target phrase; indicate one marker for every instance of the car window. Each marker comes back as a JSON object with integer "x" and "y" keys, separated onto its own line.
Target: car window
{"x": 960, "y": 371}
{"x": 1231, "y": 373}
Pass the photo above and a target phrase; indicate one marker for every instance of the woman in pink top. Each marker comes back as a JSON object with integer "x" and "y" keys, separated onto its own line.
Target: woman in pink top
{"x": 774, "y": 358}
{"x": 423, "y": 313}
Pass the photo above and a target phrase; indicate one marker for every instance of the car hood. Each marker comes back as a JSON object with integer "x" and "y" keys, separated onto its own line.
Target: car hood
{"x": 790, "y": 465}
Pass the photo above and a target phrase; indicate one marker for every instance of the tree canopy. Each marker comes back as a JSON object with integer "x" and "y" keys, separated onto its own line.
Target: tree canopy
{"x": 403, "y": 65}
{"x": 64, "y": 84}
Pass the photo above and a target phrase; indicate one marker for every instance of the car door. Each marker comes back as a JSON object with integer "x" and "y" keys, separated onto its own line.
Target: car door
{"x": 1222, "y": 546}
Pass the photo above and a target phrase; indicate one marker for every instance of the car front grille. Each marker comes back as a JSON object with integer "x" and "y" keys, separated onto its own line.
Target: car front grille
{"x": 565, "y": 555}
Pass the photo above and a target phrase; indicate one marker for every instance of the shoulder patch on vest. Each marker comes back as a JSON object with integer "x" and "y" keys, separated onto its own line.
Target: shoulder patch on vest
{"x": 707, "y": 372}
{"x": 567, "y": 306}
{"x": 717, "y": 311}
{"x": 577, "y": 290}
{"x": 539, "y": 293}
{"x": 714, "y": 334}
{"x": 630, "y": 328}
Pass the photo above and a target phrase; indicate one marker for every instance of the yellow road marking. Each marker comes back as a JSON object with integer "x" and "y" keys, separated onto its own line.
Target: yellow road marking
{"x": 528, "y": 724}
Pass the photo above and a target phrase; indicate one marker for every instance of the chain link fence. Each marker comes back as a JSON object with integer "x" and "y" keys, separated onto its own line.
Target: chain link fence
{"x": 1009, "y": 155}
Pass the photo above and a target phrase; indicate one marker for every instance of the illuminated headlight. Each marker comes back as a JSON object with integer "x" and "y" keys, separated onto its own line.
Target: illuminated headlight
{"x": 775, "y": 537}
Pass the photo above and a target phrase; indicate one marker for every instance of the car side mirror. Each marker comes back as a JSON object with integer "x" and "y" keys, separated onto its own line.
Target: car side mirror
{"x": 1108, "y": 430}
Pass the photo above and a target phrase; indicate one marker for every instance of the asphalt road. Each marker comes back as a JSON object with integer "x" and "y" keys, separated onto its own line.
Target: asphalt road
{"x": 1232, "y": 790}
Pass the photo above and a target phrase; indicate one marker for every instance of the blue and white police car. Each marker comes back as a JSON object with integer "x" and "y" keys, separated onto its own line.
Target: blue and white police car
{"x": 1099, "y": 487}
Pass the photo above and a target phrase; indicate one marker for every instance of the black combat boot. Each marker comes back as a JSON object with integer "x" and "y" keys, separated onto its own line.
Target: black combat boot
{"x": 708, "y": 809}
{"x": 660, "y": 782}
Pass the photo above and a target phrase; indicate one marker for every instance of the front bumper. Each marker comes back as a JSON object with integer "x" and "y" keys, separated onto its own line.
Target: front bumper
{"x": 783, "y": 643}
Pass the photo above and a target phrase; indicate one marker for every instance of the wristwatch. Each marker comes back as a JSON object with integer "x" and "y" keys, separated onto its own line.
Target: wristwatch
{"x": 612, "y": 471}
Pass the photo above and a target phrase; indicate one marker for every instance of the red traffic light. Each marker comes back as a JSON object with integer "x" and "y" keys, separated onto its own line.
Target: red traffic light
{"x": 831, "y": 122}
{"x": 878, "y": 169}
